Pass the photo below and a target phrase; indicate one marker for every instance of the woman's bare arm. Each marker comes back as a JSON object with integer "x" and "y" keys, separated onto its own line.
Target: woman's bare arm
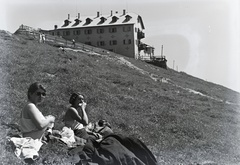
{"x": 82, "y": 118}
{"x": 40, "y": 121}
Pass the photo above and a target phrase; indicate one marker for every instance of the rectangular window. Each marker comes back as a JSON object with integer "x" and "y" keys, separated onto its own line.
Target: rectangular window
{"x": 76, "y": 32}
{"x": 100, "y": 43}
{"x": 88, "y": 31}
{"x": 127, "y": 29}
{"x": 64, "y": 33}
{"x": 58, "y": 33}
{"x": 113, "y": 30}
{"x": 53, "y": 33}
{"x": 67, "y": 33}
{"x": 127, "y": 42}
{"x": 113, "y": 42}
{"x": 100, "y": 30}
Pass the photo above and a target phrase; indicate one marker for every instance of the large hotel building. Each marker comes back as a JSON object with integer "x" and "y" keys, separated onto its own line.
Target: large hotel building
{"x": 117, "y": 32}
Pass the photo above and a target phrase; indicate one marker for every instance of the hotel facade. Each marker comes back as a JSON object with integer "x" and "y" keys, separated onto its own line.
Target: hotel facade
{"x": 117, "y": 32}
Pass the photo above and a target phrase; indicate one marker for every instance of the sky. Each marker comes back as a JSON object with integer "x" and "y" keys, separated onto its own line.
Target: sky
{"x": 199, "y": 37}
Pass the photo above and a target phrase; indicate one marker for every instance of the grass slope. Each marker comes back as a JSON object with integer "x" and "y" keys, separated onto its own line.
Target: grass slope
{"x": 182, "y": 119}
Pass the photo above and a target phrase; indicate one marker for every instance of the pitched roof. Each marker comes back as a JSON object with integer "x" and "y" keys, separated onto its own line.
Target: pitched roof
{"x": 101, "y": 20}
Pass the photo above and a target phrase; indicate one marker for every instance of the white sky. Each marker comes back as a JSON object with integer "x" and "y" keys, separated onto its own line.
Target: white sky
{"x": 200, "y": 37}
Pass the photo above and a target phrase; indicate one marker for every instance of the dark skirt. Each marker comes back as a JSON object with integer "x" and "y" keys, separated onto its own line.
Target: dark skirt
{"x": 82, "y": 133}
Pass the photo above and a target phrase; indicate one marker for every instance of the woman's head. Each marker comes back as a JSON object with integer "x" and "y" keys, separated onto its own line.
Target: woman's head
{"x": 76, "y": 98}
{"x": 35, "y": 92}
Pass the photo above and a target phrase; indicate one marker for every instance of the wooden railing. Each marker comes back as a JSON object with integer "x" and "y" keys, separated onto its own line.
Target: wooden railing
{"x": 61, "y": 42}
{"x": 34, "y": 34}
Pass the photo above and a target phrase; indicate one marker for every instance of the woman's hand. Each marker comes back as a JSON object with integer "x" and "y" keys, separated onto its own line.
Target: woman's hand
{"x": 83, "y": 105}
{"x": 50, "y": 118}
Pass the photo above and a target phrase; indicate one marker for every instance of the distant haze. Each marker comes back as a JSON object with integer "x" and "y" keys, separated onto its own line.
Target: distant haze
{"x": 200, "y": 37}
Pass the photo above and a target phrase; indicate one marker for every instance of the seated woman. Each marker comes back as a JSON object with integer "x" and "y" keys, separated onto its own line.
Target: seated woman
{"x": 76, "y": 117}
{"x": 32, "y": 122}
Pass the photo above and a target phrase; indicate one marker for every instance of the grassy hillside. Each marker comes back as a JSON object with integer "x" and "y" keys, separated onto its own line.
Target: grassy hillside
{"x": 182, "y": 119}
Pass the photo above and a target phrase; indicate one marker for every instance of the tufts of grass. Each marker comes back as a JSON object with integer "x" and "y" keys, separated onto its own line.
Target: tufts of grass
{"x": 178, "y": 126}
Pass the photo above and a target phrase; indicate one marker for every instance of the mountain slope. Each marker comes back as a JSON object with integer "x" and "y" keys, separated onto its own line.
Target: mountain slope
{"x": 182, "y": 119}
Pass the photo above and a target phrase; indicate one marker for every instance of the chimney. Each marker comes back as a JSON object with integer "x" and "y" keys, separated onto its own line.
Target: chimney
{"x": 78, "y": 16}
{"x": 55, "y": 26}
{"x": 111, "y": 13}
{"x": 68, "y": 16}
{"x": 98, "y": 14}
{"x": 124, "y": 11}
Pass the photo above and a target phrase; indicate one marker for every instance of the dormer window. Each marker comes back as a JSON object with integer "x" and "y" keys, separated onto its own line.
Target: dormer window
{"x": 127, "y": 18}
{"x": 114, "y": 19}
{"x": 102, "y": 20}
{"x": 77, "y": 21}
{"x": 66, "y": 23}
{"x": 88, "y": 21}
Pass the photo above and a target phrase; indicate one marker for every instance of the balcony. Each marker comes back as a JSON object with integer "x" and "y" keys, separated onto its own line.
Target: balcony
{"x": 140, "y": 35}
{"x": 141, "y": 46}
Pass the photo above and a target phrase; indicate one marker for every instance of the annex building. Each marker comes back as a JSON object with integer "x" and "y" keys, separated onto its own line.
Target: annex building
{"x": 117, "y": 32}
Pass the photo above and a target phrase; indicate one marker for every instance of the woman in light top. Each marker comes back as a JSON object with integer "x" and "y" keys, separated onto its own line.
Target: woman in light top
{"x": 76, "y": 117}
{"x": 32, "y": 122}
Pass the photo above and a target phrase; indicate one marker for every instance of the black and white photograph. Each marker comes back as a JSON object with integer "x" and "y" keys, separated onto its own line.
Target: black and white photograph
{"x": 110, "y": 82}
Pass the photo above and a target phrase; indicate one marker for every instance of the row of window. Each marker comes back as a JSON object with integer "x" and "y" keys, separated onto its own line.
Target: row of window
{"x": 89, "y": 31}
{"x": 111, "y": 42}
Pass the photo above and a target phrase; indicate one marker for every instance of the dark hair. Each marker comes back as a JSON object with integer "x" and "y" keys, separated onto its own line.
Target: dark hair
{"x": 74, "y": 96}
{"x": 34, "y": 87}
